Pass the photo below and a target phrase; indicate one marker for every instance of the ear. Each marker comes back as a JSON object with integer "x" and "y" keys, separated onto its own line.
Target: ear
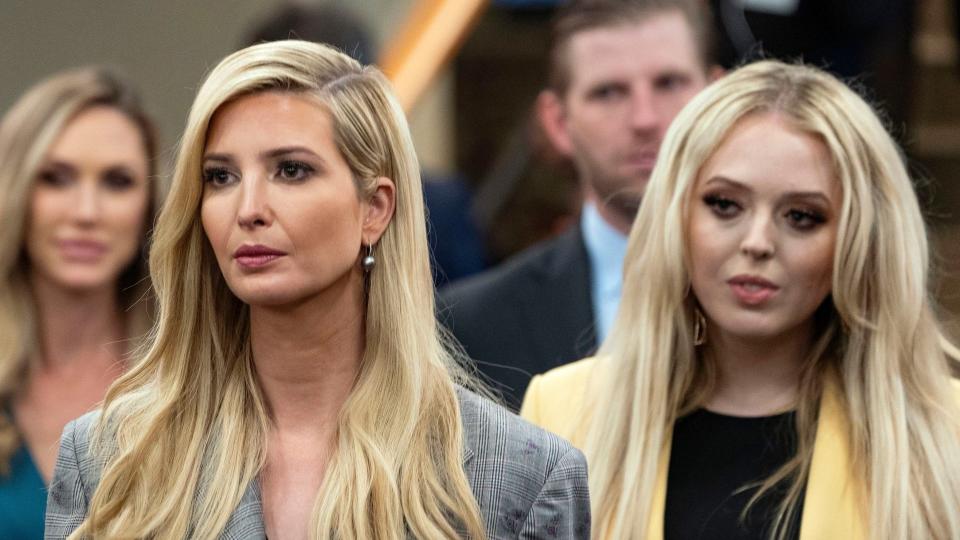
{"x": 715, "y": 72}
{"x": 378, "y": 210}
{"x": 552, "y": 115}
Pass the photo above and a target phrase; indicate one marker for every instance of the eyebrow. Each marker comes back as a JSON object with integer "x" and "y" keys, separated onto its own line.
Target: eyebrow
{"x": 817, "y": 195}
{"x": 267, "y": 154}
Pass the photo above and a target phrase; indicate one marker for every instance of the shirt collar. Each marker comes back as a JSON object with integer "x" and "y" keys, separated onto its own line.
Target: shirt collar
{"x": 606, "y": 248}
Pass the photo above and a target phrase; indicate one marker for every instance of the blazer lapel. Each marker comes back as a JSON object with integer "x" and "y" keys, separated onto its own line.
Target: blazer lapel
{"x": 247, "y": 519}
{"x": 832, "y": 506}
{"x": 563, "y": 298}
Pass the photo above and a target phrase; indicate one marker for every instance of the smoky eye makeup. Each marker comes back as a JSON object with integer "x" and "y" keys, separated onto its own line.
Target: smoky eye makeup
{"x": 723, "y": 206}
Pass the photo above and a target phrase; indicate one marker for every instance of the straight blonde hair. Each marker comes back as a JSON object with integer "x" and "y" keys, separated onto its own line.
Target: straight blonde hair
{"x": 27, "y": 131}
{"x": 878, "y": 335}
{"x": 183, "y": 434}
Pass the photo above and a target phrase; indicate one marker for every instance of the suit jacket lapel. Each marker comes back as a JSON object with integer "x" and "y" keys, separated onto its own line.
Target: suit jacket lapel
{"x": 247, "y": 519}
{"x": 563, "y": 299}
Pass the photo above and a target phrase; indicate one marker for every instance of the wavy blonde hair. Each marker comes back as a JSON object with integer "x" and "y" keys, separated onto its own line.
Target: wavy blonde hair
{"x": 27, "y": 132}
{"x": 878, "y": 335}
{"x": 183, "y": 434}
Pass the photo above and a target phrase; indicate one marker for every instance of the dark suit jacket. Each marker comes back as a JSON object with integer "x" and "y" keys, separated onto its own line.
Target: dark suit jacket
{"x": 529, "y": 484}
{"x": 528, "y": 315}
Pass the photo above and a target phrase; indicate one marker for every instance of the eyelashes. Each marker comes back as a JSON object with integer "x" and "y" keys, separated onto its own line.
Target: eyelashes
{"x": 799, "y": 217}
{"x": 291, "y": 171}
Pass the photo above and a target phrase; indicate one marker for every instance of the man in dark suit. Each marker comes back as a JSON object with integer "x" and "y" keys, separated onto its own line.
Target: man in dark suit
{"x": 620, "y": 70}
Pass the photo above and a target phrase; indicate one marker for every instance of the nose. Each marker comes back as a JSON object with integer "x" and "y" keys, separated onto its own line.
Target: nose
{"x": 87, "y": 206}
{"x": 254, "y": 210}
{"x": 643, "y": 111}
{"x": 759, "y": 241}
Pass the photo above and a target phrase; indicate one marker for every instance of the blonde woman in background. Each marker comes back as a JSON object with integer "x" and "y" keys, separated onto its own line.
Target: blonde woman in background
{"x": 76, "y": 199}
{"x": 297, "y": 385}
{"x": 777, "y": 369}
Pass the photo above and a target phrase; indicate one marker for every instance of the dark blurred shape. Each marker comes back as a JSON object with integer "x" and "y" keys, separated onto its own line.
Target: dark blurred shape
{"x": 865, "y": 42}
{"x": 323, "y": 23}
{"x": 455, "y": 247}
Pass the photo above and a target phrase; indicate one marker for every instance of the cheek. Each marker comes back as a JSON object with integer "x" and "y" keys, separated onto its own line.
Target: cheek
{"x": 706, "y": 247}
{"x": 216, "y": 223}
{"x": 47, "y": 207}
{"x": 814, "y": 267}
{"x": 328, "y": 229}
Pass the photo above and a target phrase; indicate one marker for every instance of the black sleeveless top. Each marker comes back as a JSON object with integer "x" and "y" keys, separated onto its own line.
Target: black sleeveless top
{"x": 712, "y": 457}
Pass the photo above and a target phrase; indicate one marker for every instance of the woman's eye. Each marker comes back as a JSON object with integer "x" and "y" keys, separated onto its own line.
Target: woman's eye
{"x": 118, "y": 181}
{"x": 217, "y": 176}
{"x": 804, "y": 220}
{"x": 54, "y": 178}
{"x": 722, "y": 206}
{"x": 293, "y": 170}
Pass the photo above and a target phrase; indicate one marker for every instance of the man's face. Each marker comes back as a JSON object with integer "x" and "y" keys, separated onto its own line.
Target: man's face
{"x": 627, "y": 83}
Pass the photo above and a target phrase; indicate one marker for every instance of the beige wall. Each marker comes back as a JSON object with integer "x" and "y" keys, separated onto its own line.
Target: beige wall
{"x": 166, "y": 46}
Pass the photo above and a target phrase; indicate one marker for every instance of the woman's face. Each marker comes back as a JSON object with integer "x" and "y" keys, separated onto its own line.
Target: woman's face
{"x": 89, "y": 202}
{"x": 280, "y": 206}
{"x": 763, "y": 224}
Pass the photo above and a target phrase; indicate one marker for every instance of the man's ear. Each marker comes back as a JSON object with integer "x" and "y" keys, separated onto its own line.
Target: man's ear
{"x": 552, "y": 115}
{"x": 378, "y": 210}
{"x": 715, "y": 72}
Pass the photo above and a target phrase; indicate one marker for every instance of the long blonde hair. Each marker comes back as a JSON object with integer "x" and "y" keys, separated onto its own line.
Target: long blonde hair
{"x": 27, "y": 132}
{"x": 878, "y": 335}
{"x": 183, "y": 434}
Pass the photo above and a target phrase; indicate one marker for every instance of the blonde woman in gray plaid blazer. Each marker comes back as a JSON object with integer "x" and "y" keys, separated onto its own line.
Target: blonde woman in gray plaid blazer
{"x": 296, "y": 384}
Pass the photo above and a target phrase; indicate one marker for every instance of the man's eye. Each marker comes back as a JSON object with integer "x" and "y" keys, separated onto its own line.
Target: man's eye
{"x": 608, "y": 92}
{"x": 294, "y": 170}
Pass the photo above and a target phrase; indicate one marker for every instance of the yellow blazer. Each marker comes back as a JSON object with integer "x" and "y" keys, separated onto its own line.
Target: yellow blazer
{"x": 832, "y": 505}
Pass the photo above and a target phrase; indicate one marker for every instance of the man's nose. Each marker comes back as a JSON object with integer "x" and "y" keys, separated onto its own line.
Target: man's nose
{"x": 643, "y": 111}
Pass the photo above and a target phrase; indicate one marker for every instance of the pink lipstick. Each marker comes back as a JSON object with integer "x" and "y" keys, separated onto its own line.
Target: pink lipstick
{"x": 82, "y": 250}
{"x": 752, "y": 290}
{"x": 256, "y": 256}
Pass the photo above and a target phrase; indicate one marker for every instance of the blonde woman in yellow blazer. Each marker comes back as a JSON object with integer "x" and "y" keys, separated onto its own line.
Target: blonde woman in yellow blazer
{"x": 778, "y": 266}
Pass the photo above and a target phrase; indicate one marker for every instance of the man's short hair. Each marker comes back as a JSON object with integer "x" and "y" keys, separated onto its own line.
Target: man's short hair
{"x": 581, "y": 15}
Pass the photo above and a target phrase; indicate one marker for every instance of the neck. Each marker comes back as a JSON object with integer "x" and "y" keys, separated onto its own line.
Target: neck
{"x": 307, "y": 356}
{"x": 75, "y": 324}
{"x": 619, "y": 218}
{"x": 758, "y": 377}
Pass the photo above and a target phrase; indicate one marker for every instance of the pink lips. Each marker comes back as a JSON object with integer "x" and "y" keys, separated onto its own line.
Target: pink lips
{"x": 752, "y": 290}
{"x": 256, "y": 256}
{"x": 82, "y": 250}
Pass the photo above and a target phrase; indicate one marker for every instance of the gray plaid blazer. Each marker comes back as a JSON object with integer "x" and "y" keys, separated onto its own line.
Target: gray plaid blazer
{"x": 529, "y": 483}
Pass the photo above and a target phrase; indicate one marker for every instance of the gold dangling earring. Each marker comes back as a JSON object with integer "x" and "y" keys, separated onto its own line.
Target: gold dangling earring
{"x": 699, "y": 327}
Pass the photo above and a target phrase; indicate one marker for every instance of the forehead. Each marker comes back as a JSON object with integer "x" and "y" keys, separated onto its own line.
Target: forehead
{"x": 658, "y": 43}
{"x": 270, "y": 119}
{"x": 767, "y": 153}
{"x": 98, "y": 132}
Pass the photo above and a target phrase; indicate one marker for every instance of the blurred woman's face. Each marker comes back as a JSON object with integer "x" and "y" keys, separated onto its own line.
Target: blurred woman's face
{"x": 89, "y": 202}
{"x": 763, "y": 225}
{"x": 280, "y": 207}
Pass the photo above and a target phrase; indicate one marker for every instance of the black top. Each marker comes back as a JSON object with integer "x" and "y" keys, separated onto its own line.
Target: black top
{"x": 712, "y": 457}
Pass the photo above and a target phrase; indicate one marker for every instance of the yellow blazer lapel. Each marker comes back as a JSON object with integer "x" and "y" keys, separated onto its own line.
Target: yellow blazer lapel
{"x": 833, "y": 503}
{"x": 659, "y": 503}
